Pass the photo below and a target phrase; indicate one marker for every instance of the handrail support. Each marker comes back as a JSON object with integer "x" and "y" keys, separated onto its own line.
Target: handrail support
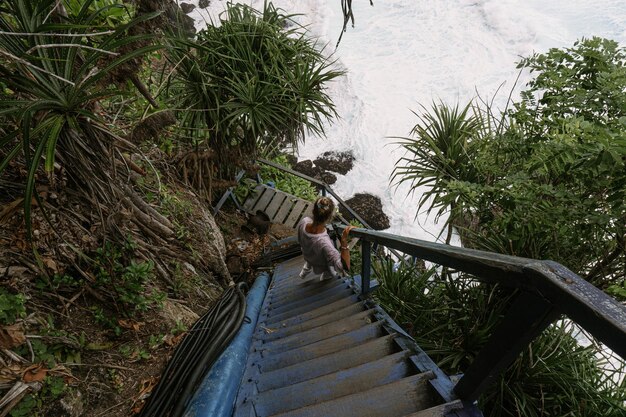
{"x": 366, "y": 266}
{"x": 528, "y": 316}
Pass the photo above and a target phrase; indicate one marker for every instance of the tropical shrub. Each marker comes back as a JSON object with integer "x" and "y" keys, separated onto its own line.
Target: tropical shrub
{"x": 249, "y": 86}
{"x": 54, "y": 81}
{"x": 545, "y": 180}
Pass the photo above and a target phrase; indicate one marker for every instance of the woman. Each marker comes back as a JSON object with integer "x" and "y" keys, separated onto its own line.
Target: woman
{"x": 319, "y": 252}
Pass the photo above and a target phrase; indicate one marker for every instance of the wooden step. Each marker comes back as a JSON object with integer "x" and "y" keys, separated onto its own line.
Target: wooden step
{"x": 439, "y": 410}
{"x": 328, "y": 387}
{"x": 396, "y": 399}
{"x": 268, "y": 334}
{"x": 278, "y": 298}
{"x": 320, "y": 311}
{"x": 346, "y": 341}
{"x": 344, "y": 295}
{"x": 326, "y": 331}
{"x": 323, "y": 294}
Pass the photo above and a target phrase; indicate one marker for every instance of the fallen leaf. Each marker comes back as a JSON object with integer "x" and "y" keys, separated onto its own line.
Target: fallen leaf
{"x": 130, "y": 324}
{"x": 35, "y": 373}
{"x": 172, "y": 340}
{"x": 49, "y": 262}
{"x": 11, "y": 336}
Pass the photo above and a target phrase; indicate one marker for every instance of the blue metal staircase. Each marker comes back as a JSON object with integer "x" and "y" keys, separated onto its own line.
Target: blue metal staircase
{"x": 326, "y": 349}
{"x": 319, "y": 350}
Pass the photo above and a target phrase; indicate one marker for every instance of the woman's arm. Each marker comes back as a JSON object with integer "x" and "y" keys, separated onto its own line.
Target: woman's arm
{"x": 344, "y": 249}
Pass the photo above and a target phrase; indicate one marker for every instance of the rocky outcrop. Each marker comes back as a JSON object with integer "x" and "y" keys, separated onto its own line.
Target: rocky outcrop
{"x": 370, "y": 208}
{"x": 187, "y": 7}
{"x": 339, "y": 162}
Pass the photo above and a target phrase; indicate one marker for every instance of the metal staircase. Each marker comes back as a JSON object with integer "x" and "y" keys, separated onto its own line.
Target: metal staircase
{"x": 319, "y": 350}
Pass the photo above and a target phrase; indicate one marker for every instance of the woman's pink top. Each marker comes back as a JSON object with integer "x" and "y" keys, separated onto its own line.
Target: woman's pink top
{"x": 318, "y": 249}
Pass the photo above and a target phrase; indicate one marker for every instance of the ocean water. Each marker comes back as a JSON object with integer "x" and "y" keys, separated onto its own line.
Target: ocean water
{"x": 405, "y": 54}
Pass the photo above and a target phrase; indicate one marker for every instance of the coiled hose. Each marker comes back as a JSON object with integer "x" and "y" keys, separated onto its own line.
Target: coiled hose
{"x": 200, "y": 348}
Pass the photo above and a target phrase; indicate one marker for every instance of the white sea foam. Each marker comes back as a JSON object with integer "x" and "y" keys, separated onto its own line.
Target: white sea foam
{"x": 406, "y": 53}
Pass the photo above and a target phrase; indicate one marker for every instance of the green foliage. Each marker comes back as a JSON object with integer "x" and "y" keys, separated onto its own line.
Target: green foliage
{"x": 126, "y": 278}
{"x": 11, "y": 306}
{"x": 51, "y": 89}
{"x": 546, "y": 179}
{"x": 250, "y": 85}
{"x": 438, "y": 154}
{"x": 111, "y": 13}
{"x": 32, "y": 404}
{"x": 286, "y": 182}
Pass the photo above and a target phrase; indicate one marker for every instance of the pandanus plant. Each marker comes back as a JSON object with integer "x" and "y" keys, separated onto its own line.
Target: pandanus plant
{"x": 54, "y": 70}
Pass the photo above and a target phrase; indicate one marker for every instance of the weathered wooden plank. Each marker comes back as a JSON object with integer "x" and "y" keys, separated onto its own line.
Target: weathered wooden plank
{"x": 296, "y": 213}
{"x": 329, "y": 387}
{"x": 275, "y": 204}
{"x": 265, "y": 199}
{"x": 284, "y": 210}
{"x": 308, "y": 212}
{"x": 253, "y": 198}
{"x": 398, "y": 398}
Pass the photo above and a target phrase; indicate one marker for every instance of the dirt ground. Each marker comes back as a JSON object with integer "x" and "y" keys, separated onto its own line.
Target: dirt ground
{"x": 83, "y": 358}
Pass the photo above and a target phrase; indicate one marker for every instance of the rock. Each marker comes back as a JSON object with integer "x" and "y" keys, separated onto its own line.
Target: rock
{"x": 328, "y": 178}
{"x": 370, "y": 208}
{"x": 177, "y": 19}
{"x": 174, "y": 313}
{"x": 72, "y": 403}
{"x": 187, "y": 7}
{"x": 152, "y": 126}
{"x": 306, "y": 167}
{"x": 339, "y": 162}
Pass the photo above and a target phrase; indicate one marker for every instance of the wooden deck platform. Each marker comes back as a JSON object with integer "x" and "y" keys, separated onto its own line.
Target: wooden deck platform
{"x": 282, "y": 208}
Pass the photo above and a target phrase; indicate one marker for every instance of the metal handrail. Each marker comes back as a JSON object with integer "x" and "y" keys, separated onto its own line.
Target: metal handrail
{"x": 547, "y": 290}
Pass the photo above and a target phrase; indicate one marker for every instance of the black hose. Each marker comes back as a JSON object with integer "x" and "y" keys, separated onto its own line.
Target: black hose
{"x": 197, "y": 352}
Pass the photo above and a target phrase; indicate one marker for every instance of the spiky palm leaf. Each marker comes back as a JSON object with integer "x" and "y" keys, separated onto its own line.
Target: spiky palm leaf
{"x": 54, "y": 68}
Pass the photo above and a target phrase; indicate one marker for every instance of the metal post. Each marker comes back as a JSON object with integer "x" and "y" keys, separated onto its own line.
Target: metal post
{"x": 366, "y": 267}
{"x": 323, "y": 191}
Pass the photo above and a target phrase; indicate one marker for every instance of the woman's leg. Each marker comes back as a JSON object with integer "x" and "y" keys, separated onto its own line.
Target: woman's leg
{"x": 306, "y": 270}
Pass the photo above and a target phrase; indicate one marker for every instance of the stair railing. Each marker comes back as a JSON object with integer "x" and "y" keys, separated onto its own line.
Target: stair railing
{"x": 546, "y": 290}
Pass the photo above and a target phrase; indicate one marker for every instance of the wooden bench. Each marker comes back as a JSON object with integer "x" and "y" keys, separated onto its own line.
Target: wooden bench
{"x": 282, "y": 208}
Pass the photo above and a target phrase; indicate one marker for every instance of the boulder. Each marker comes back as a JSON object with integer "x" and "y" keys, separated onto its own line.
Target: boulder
{"x": 187, "y": 7}
{"x": 306, "y": 167}
{"x": 339, "y": 162}
{"x": 370, "y": 208}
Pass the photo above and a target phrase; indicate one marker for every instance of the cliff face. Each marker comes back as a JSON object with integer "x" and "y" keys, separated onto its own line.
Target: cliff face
{"x": 95, "y": 305}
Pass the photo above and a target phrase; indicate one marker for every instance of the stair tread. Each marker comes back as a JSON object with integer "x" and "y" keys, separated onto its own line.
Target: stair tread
{"x": 337, "y": 384}
{"x": 274, "y": 318}
{"x": 325, "y": 331}
{"x": 310, "y": 299}
{"x": 396, "y": 399}
{"x": 320, "y": 311}
{"x": 284, "y": 330}
{"x": 343, "y": 343}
